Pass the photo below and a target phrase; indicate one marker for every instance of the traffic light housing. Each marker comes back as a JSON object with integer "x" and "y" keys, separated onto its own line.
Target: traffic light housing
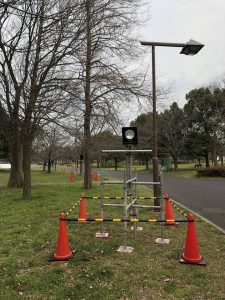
{"x": 129, "y": 135}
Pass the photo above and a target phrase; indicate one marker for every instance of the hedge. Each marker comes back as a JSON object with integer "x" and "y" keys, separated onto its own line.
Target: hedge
{"x": 211, "y": 172}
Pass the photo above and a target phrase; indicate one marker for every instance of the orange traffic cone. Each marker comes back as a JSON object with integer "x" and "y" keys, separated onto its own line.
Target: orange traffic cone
{"x": 191, "y": 252}
{"x": 72, "y": 177}
{"x": 63, "y": 251}
{"x": 96, "y": 177}
{"x": 169, "y": 215}
{"x": 83, "y": 209}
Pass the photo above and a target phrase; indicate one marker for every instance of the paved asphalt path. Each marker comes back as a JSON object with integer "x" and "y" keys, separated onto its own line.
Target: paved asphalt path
{"x": 205, "y": 197}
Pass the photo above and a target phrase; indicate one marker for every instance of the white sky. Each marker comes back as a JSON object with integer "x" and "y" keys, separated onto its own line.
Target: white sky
{"x": 179, "y": 21}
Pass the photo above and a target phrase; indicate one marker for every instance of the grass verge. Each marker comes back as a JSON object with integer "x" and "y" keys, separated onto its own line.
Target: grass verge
{"x": 28, "y": 238}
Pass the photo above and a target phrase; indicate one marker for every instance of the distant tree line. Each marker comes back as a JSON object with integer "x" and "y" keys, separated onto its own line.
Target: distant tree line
{"x": 196, "y": 131}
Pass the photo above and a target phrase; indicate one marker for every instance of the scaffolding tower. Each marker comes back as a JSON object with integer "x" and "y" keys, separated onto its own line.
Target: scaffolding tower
{"x": 130, "y": 204}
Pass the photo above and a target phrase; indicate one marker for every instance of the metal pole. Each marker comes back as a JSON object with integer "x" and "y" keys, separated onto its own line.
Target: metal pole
{"x": 161, "y": 204}
{"x": 155, "y": 161}
{"x": 125, "y": 204}
{"x": 144, "y": 43}
{"x": 128, "y": 150}
{"x": 127, "y": 186}
{"x": 102, "y": 201}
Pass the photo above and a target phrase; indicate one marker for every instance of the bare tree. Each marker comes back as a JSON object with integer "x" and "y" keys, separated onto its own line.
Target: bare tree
{"x": 106, "y": 77}
{"x": 48, "y": 144}
{"x": 106, "y": 140}
{"x": 37, "y": 39}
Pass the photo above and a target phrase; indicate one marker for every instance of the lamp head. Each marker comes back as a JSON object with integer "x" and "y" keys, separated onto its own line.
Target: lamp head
{"x": 191, "y": 48}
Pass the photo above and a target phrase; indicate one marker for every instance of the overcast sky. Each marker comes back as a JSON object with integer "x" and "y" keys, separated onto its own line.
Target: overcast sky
{"x": 179, "y": 21}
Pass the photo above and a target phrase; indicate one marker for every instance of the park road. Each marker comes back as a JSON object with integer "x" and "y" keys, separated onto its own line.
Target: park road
{"x": 205, "y": 197}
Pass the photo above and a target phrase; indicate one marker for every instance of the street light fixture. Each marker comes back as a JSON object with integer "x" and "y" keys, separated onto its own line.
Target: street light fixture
{"x": 192, "y": 47}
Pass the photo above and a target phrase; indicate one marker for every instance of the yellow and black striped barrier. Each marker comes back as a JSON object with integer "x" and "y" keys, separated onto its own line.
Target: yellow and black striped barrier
{"x": 71, "y": 209}
{"x": 178, "y": 209}
{"x": 133, "y": 220}
{"x": 118, "y": 198}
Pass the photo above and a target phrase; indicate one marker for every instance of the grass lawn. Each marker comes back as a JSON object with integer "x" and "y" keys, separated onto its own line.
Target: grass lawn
{"x": 28, "y": 238}
{"x": 184, "y": 170}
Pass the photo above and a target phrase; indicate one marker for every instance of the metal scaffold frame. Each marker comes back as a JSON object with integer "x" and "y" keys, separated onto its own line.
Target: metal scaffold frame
{"x": 130, "y": 204}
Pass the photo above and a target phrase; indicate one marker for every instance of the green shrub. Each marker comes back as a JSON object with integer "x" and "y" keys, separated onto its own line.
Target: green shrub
{"x": 211, "y": 172}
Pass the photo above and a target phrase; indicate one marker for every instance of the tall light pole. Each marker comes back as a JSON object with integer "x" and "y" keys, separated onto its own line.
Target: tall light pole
{"x": 190, "y": 48}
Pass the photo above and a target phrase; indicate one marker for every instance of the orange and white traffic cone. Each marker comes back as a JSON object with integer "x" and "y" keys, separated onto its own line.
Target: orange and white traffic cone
{"x": 63, "y": 251}
{"x": 83, "y": 209}
{"x": 169, "y": 215}
{"x": 191, "y": 253}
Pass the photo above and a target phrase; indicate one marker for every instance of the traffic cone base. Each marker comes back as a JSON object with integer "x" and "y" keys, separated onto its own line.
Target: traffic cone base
{"x": 54, "y": 259}
{"x": 63, "y": 257}
{"x": 169, "y": 223}
{"x": 202, "y": 262}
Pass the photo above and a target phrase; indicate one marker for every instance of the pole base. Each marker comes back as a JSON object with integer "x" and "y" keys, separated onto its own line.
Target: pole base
{"x": 103, "y": 234}
{"x": 162, "y": 241}
{"x": 125, "y": 249}
{"x": 138, "y": 228}
{"x": 199, "y": 263}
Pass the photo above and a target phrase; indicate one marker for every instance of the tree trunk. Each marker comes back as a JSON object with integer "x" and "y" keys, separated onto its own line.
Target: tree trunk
{"x": 106, "y": 163}
{"x": 146, "y": 163}
{"x": 49, "y": 165}
{"x": 44, "y": 165}
{"x": 215, "y": 162}
{"x": 27, "y": 168}
{"x": 207, "y": 159}
{"x": 16, "y": 149}
{"x": 175, "y": 165}
{"x": 81, "y": 166}
{"x": 87, "y": 115}
{"x": 98, "y": 161}
{"x": 116, "y": 164}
